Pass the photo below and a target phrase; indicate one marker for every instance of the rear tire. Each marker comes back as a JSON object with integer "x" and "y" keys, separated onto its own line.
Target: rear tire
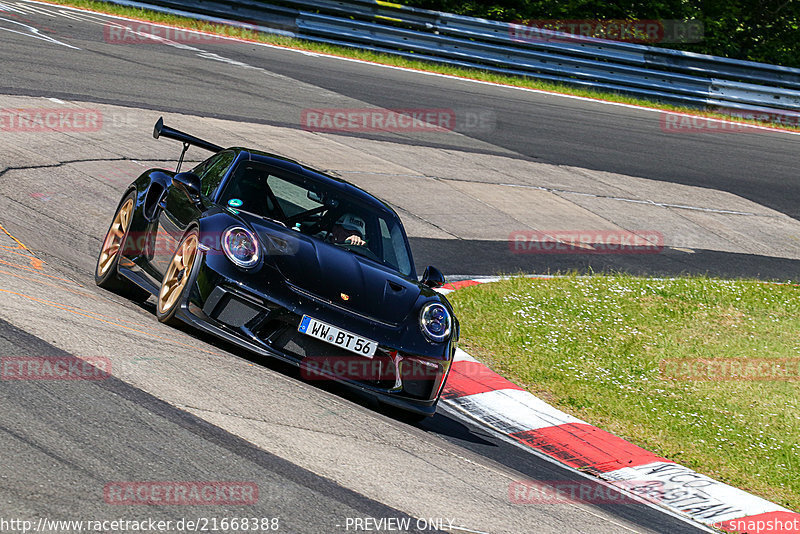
{"x": 176, "y": 280}
{"x": 106, "y": 273}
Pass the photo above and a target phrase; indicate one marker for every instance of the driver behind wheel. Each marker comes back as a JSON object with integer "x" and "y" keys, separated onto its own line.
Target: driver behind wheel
{"x": 350, "y": 229}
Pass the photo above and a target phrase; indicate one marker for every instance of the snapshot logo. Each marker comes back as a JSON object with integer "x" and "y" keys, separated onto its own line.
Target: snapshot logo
{"x": 640, "y": 31}
{"x": 181, "y": 493}
{"x": 54, "y": 368}
{"x": 128, "y": 33}
{"x": 731, "y": 369}
{"x": 50, "y": 120}
{"x": 583, "y": 491}
{"x": 774, "y": 525}
{"x": 586, "y": 242}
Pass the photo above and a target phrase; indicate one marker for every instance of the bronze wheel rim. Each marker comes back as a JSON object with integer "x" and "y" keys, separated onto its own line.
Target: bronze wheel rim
{"x": 114, "y": 237}
{"x": 177, "y": 274}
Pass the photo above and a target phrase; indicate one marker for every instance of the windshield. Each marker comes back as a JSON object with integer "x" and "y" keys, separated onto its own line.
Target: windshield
{"x": 319, "y": 212}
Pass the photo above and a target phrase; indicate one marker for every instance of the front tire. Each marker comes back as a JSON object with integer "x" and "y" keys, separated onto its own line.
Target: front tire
{"x": 176, "y": 279}
{"x": 106, "y": 273}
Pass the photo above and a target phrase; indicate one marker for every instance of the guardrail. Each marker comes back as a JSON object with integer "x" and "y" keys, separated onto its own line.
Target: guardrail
{"x": 645, "y": 71}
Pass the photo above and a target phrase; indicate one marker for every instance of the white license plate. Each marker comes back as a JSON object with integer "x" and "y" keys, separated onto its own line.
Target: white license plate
{"x": 336, "y": 336}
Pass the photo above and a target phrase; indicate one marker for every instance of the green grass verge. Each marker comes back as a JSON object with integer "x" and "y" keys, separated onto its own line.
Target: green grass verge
{"x": 388, "y": 59}
{"x": 592, "y": 347}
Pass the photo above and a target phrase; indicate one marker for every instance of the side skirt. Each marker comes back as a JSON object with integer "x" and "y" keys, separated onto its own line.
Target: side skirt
{"x": 138, "y": 279}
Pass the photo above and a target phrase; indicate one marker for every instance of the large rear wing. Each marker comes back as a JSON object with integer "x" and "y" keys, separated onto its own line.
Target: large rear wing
{"x": 187, "y": 140}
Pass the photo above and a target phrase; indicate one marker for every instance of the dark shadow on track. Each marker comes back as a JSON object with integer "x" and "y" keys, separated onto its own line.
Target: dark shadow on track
{"x": 474, "y": 257}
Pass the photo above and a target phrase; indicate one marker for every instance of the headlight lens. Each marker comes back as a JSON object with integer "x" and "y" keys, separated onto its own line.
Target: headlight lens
{"x": 435, "y": 321}
{"x": 241, "y": 246}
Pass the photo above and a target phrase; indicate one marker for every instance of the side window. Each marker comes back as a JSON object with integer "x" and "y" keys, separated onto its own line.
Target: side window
{"x": 213, "y": 171}
{"x": 201, "y": 168}
{"x": 394, "y": 247}
{"x": 386, "y": 240}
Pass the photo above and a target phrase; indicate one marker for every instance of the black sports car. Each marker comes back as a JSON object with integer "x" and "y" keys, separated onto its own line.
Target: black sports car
{"x": 287, "y": 262}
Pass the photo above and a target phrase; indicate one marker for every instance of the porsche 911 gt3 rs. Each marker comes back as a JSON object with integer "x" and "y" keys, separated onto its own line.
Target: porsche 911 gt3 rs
{"x": 288, "y": 262}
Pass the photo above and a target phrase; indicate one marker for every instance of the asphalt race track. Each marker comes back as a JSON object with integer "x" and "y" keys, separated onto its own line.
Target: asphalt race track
{"x": 172, "y": 383}
{"x": 181, "y": 406}
{"x": 609, "y": 154}
{"x": 123, "y": 431}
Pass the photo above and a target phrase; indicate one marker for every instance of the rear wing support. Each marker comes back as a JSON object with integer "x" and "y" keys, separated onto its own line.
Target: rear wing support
{"x": 187, "y": 140}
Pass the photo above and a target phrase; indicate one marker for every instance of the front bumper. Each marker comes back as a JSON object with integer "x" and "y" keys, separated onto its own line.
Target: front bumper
{"x": 261, "y": 312}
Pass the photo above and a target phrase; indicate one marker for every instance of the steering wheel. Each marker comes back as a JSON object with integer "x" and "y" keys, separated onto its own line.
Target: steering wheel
{"x": 305, "y": 215}
{"x": 360, "y": 249}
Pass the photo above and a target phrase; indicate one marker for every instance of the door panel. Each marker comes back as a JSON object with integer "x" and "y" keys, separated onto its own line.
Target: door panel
{"x": 174, "y": 218}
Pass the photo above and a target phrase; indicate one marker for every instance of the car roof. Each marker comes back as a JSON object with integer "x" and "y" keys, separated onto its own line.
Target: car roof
{"x": 314, "y": 175}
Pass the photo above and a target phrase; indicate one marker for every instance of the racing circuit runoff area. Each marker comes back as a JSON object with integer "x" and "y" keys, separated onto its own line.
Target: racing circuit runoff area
{"x": 179, "y": 408}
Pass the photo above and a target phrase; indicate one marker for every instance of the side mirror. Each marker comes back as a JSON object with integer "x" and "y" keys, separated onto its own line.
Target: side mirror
{"x": 433, "y": 277}
{"x": 189, "y": 183}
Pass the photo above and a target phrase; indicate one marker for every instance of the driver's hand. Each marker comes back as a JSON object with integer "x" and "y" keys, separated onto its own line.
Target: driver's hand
{"x": 355, "y": 240}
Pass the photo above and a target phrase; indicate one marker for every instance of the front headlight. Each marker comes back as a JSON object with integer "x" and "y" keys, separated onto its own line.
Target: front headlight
{"x": 241, "y": 246}
{"x": 435, "y": 321}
